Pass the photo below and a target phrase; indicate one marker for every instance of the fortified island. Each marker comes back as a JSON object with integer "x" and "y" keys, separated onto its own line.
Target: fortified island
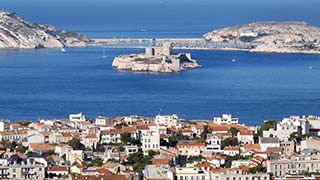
{"x": 155, "y": 59}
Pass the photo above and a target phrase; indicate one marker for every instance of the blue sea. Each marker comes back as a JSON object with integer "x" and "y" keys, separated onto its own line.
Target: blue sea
{"x": 48, "y": 83}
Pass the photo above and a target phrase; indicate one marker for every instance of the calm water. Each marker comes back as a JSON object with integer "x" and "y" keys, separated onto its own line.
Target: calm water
{"x": 52, "y": 84}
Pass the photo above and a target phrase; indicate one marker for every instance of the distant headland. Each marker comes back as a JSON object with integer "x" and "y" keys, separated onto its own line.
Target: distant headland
{"x": 16, "y": 32}
{"x": 278, "y": 37}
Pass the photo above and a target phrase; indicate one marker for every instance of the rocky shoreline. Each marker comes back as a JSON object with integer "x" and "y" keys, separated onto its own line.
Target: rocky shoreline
{"x": 16, "y": 32}
{"x": 273, "y": 37}
{"x": 266, "y": 37}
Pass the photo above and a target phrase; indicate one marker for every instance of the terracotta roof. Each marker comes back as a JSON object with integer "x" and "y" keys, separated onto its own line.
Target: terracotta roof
{"x": 232, "y": 148}
{"x": 110, "y": 165}
{"x": 182, "y": 144}
{"x": 41, "y": 146}
{"x": 251, "y": 146}
{"x": 91, "y": 136}
{"x": 104, "y": 171}
{"x": 274, "y": 150}
{"x": 210, "y": 158}
{"x": 58, "y": 168}
{"x": 246, "y": 132}
{"x": 14, "y": 132}
{"x": 156, "y": 161}
{"x": 128, "y": 129}
{"x": 66, "y": 134}
{"x": 244, "y": 168}
{"x": 186, "y": 131}
{"x": 143, "y": 127}
{"x": 15, "y": 125}
{"x": 204, "y": 164}
{"x": 199, "y": 126}
{"x": 118, "y": 119}
{"x": 217, "y": 127}
{"x": 100, "y": 177}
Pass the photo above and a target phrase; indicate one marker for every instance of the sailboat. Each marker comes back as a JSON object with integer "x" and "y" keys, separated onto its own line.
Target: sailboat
{"x": 104, "y": 53}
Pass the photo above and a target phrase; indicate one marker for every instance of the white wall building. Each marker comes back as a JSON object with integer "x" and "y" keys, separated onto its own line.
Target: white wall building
{"x": 150, "y": 139}
{"x": 77, "y": 118}
{"x": 167, "y": 120}
{"x": 192, "y": 172}
{"x": 225, "y": 119}
{"x": 213, "y": 144}
{"x": 287, "y": 126}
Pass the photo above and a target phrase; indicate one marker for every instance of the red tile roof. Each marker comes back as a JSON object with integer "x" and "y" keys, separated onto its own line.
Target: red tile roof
{"x": 58, "y": 168}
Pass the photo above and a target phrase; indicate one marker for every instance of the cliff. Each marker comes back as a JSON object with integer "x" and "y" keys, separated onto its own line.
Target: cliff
{"x": 16, "y": 32}
{"x": 280, "y": 37}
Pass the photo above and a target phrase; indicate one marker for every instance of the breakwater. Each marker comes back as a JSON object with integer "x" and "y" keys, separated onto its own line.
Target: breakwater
{"x": 177, "y": 43}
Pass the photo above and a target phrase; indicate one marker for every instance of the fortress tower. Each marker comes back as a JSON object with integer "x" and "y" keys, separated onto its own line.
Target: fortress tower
{"x": 149, "y": 51}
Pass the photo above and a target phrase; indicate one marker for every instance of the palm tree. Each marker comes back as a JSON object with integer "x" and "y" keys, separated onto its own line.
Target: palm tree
{"x": 233, "y": 131}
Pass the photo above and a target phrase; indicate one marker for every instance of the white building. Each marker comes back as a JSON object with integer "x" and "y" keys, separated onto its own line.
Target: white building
{"x": 34, "y": 138}
{"x": 293, "y": 165}
{"x": 311, "y": 143}
{"x": 265, "y": 143}
{"x": 238, "y": 174}
{"x": 225, "y": 119}
{"x": 29, "y": 168}
{"x": 152, "y": 172}
{"x": 231, "y": 150}
{"x": 192, "y": 172}
{"x": 213, "y": 144}
{"x": 245, "y": 137}
{"x": 75, "y": 156}
{"x": 77, "y": 118}
{"x": 288, "y": 126}
{"x": 167, "y": 120}
{"x": 150, "y": 139}
{"x": 103, "y": 121}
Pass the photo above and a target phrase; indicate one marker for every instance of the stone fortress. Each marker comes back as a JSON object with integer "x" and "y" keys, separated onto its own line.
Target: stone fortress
{"x": 155, "y": 59}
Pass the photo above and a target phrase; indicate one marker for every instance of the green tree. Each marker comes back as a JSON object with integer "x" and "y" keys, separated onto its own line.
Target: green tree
{"x": 229, "y": 142}
{"x": 24, "y": 123}
{"x": 257, "y": 169}
{"x": 266, "y": 125}
{"x": 97, "y": 162}
{"x": 125, "y": 138}
{"x": 195, "y": 158}
{"x": 11, "y": 145}
{"x": 21, "y": 149}
{"x": 233, "y": 131}
{"x": 75, "y": 144}
{"x": 295, "y": 136}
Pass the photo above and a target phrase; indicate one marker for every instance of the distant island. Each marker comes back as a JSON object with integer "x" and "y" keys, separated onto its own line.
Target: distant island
{"x": 155, "y": 59}
{"x": 279, "y": 37}
{"x": 16, "y": 32}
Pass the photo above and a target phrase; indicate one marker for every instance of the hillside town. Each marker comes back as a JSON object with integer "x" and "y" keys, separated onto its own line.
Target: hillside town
{"x": 164, "y": 147}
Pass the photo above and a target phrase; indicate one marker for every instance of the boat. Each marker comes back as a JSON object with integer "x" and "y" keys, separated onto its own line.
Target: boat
{"x": 310, "y": 67}
{"x": 63, "y": 50}
{"x": 233, "y": 60}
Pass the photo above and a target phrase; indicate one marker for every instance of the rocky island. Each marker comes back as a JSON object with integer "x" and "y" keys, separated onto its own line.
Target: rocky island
{"x": 279, "y": 37}
{"x": 155, "y": 59}
{"x": 16, "y": 32}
